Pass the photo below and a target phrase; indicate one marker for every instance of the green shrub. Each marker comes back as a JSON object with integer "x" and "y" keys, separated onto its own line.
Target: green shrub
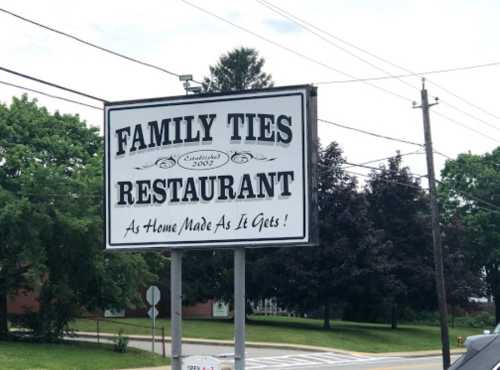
{"x": 121, "y": 342}
{"x": 480, "y": 320}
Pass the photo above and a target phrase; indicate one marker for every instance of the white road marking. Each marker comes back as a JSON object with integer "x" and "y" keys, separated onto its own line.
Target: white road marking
{"x": 308, "y": 360}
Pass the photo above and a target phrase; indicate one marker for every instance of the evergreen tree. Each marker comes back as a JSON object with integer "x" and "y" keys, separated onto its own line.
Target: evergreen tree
{"x": 239, "y": 69}
{"x": 398, "y": 207}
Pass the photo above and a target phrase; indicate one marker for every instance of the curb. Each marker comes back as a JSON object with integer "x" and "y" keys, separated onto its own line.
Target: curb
{"x": 298, "y": 347}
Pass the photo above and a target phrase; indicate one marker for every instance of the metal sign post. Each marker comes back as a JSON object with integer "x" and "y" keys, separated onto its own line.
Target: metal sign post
{"x": 153, "y": 296}
{"x": 239, "y": 309}
{"x": 176, "y": 307}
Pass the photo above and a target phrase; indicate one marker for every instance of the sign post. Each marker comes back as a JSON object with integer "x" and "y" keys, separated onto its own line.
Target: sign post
{"x": 239, "y": 309}
{"x": 208, "y": 171}
{"x": 176, "y": 308}
{"x": 153, "y": 296}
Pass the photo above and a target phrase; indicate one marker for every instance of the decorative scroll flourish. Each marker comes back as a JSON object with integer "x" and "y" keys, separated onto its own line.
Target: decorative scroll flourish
{"x": 246, "y": 156}
{"x": 164, "y": 163}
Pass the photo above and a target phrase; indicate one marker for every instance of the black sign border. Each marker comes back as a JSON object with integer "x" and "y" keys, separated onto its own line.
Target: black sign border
{"x": 309, "y": 184}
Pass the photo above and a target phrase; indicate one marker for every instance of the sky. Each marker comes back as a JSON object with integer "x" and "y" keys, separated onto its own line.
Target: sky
{"x": 419, "y": 36}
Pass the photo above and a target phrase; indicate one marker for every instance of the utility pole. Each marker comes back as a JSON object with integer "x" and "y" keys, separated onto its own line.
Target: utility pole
{"x": 436, "y": 231}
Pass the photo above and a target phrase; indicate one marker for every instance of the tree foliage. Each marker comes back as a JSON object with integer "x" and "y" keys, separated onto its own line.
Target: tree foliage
{"x": 399, "y": 208}
{"x": 51, "y": 223}
{"x": 470, "y": 188}
{"x": 239, "y": 69}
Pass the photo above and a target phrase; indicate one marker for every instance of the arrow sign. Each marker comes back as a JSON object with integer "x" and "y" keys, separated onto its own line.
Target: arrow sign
{"x": 153, "y": 295}
{"x": 153, "y": 313}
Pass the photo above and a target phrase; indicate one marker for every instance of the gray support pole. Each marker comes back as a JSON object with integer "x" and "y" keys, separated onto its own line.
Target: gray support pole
{"x": 176, "y": 307}
{"x": 153, "y": 328}
{"x": 98, "y": 332}
{"x": 239, "y": 309}
{"x": 163, "y": 341}
{"x": 436, "y": 231}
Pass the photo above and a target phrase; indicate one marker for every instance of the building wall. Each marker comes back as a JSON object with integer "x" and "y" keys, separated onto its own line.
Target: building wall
{"x": 199, "y": 310}
{"x": 27, "y": 301}
{"x": 22, "y": 302}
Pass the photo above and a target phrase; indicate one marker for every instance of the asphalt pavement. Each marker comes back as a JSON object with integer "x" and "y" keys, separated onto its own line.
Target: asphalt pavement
{"x": 288, "y": 359}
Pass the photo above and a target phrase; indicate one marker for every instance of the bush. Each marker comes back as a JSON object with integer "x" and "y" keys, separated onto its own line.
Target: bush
{"x": 121, "y": 342}
{"x": 481, "y": 320}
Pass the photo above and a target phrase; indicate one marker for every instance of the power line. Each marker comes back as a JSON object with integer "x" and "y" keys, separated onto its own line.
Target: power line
{"x": 473, "y": 197}
{"x": 51, "y": 84}
{"x": 494, "y": 208}
{"x": 88, "y": 43}
{"x": 442, "y": 154}
{"x": 379, "y": 169}
{"x": 386, "y": 158}
{"x": 463, "y": 100}
{"x": 472, "y": 116}
{"x": 301, "y": 22}
{"x": 305, "y": 56}
{"x": 385, "y": 180}
{"x": 370, "y": 133}
{"x": 292, "y": 51}
{"x": 466, "y": 126}
{"x": 50, "y": 95}
{"x": 424, "y": 73}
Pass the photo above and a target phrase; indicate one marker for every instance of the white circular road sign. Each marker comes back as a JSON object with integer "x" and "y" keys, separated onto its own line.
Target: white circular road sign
{"x": 153, "y": 295}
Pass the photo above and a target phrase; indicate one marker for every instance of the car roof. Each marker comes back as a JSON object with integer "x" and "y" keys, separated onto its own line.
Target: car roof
{"x": 483, "y": 353}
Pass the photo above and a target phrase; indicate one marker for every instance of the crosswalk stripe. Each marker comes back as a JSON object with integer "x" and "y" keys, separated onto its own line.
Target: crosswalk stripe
{"x": 307, "y": 360}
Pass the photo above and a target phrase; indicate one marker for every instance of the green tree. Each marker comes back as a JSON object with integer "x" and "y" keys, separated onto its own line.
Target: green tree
{"x": 398, "y": 207}
{"x": 348, "y": 254}
{"x": 463, "y": 276}
{"x": 239, "y": 69}
{"x": 51, "y": 220}
{"x": 471, "y": 186}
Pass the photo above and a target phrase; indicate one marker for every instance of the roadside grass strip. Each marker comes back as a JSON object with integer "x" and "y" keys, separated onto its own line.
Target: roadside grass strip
{"x": 309, "y": 360}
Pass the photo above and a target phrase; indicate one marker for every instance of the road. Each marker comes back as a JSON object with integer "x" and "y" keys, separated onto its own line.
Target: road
{"x": 281, "y": 359}
{"x": 284, "y": 359}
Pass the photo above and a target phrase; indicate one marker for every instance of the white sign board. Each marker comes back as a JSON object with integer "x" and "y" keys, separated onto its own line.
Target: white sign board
{"x": 113, "y": 312}
{"x": 201, "y": 363}
{"x": 220, "y": 309}
{"x": 153, "y": 295}
{"x": 211, "y": 170}
{"x": 153, "y": 313}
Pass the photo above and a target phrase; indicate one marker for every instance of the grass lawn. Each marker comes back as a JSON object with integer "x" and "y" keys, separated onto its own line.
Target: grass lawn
{"x": 343, "y": 335}
{"x": 71, "y": 356}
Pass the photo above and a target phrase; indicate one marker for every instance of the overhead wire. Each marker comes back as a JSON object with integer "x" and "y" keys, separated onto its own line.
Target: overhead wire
{"x": 473, "y": 197}
{"x": 45, "y": 82}
{"x": 379, "y": 169}
{"x": 309, "y": 27}
{"x": 387, "y": 158}
{"x": 50, "y": 95}
{"x": 459, "y": 123}
{"x": 93, "y": 45}
{"x": 424, "y": 73}
{"x": 371, "y": 133}
{"x": 385, "y": 180}
{"x": 303, "y": 24}
{"x": 384, "y": 60}
{"x": 488, "y": 206}
{"x": 292, "y": 51}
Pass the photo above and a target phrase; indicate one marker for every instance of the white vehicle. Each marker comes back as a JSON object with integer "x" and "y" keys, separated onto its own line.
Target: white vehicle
{"x": 495, "y": 332}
